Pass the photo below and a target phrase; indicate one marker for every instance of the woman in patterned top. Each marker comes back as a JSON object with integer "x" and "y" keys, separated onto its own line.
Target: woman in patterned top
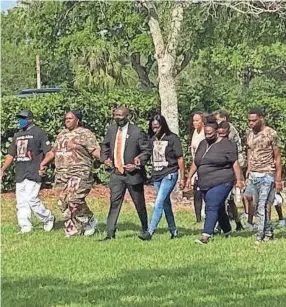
{"x": 73, "y": 151}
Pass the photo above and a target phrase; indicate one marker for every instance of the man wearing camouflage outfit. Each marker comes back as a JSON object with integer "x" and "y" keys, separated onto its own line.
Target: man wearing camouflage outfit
{"x": 73, "y": 151}
{"x": 264, "y": 169}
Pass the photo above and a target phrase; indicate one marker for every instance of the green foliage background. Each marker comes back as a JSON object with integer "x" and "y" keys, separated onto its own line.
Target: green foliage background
{"x": 88, "y": 49}
{"x": 49, "y": 112}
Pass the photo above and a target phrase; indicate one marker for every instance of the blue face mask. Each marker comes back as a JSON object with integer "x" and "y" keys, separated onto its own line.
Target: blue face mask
{"x": 23, "y": 123}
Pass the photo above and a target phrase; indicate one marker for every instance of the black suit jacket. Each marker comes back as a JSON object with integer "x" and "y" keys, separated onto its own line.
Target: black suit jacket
{"x": 137, "y": 143}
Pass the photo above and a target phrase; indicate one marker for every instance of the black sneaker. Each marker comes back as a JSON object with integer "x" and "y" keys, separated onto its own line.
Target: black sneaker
{"x": 174, "y": 235}
{"x": 258, "y": 240}
{"x": 239, "y": 226}
{"x": 146, "y": 236}
{"x": 269, "y": 238}
{"x": 107, "y": 238}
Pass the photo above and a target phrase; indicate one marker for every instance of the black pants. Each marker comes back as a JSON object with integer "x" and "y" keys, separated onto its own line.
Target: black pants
{"x": 198, "y": 202}
{"x": 118, "y": 188}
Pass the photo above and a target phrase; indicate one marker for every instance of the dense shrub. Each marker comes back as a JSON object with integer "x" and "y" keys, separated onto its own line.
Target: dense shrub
{"x": 49, "y": 112}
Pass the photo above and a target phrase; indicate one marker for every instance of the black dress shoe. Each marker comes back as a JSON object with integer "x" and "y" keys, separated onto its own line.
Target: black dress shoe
{"x": 239, "y": 226}
{"x": 107, "y": 238}
{"x": 146, "y": 236}
{"x": 174, "y": 236}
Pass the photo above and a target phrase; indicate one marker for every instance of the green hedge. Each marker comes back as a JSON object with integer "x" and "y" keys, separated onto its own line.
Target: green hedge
{"x": 275, "y": 116}
{"x": 49, "y": 112}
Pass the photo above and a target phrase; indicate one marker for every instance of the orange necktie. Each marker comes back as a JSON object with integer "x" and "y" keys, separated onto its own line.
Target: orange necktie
{"x": 119, "y": 149}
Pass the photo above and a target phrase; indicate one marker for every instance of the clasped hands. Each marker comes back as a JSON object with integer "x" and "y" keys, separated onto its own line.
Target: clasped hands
{"x": 130, "y": 167}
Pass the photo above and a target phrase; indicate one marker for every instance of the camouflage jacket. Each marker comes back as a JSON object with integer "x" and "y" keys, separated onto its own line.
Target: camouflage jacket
{"x": 261, "y": 150}
{"x": 73, "y": 152}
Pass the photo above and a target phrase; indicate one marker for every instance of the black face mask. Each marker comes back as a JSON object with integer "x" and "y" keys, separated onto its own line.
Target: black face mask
{"x": 211, "y": 139}
{"x": 121, "y": 122}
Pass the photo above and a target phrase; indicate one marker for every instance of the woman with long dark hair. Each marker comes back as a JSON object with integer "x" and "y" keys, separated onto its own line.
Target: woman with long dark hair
{"x": 167, "y": 163}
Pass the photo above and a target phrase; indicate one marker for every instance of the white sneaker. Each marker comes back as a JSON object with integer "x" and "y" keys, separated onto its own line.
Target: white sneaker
{"x": 49, "y": 225}
{"x": 249, "y": 226}
{"x": 281, "y": 223}
{"x": 89, "y": 229}
{"x": 24, "y": 230}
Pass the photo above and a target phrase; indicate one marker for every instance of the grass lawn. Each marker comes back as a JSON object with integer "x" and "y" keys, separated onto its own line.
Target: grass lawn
{"x": 46, "y": 269}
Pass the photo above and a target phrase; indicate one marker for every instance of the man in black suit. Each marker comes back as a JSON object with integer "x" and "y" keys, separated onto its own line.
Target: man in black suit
{"x": 126, "y": 149}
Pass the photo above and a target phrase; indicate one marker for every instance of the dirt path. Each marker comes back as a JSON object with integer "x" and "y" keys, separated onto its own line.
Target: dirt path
{"x": 102, "y": 192}
{"x": 99, "y": 191}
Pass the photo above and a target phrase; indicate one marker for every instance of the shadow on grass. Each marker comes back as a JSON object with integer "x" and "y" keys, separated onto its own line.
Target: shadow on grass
{"x": 281, "y": 234}
{"x": 197, "y": 285}
{"x": 243, "y": 234}
{"x": 129, "y": 226}
{"x": 59, "y": 224}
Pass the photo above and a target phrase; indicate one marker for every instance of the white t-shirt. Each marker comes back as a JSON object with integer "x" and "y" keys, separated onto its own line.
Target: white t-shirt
{"x": 196, "y": 139}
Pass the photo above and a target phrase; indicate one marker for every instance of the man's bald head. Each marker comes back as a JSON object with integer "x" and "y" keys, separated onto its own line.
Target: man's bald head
{"x": 122, "y": 109}
{"x": 121, "y": 116}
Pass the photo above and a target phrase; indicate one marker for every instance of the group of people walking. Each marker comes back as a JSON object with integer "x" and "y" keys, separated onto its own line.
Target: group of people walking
{"x": 219, "y": 162}
{"x": 218, "y": 165}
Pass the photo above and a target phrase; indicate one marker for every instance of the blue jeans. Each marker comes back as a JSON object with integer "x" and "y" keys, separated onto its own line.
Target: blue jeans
{"x": 215, "y": 208}
{"x": 263, "y": 186}
{"x": 164, "y": 188}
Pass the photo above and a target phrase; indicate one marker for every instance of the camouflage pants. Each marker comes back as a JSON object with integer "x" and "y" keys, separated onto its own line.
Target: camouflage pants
{"x": 72, "y": 204}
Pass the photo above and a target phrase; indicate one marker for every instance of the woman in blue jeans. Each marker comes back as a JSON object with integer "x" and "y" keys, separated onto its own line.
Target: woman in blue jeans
{"x": 217, "y": 168}
{"x": 167, "y": 161}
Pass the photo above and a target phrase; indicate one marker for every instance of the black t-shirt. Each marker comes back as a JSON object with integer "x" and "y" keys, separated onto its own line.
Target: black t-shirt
{"x": 165, "y": 155}
{"x": 215, "y": 163}
{"x": 28, "y": 147}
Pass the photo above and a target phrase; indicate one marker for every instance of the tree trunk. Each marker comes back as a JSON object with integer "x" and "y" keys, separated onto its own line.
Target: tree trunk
{"x": 168, "y": 94}
{"x": 166, "y": 55}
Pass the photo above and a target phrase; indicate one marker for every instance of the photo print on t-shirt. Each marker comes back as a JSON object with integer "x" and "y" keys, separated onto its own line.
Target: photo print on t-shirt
{"x": 73, "y": 183}
{"x": 22, "y": 150}
{"x": 159, "y": 155}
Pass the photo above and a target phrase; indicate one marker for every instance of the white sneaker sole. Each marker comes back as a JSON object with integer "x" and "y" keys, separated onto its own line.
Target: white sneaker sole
{"x": 198, "y": 241}
{"x": 50, "y": 225}
{"x": 21, "y": 232}
{"x": 90, "y": 232}
{"x": 91, "y": 227}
